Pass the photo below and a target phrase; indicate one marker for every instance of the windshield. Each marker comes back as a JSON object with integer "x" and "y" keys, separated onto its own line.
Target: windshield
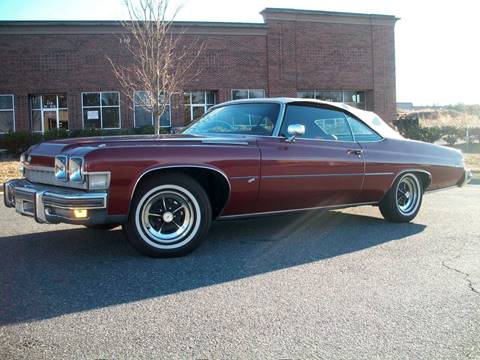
{"x": 242, "y": 119}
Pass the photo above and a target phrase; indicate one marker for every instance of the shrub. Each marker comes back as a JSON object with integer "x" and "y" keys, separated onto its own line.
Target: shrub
{"x": 431, "y": 134}
{"x": 55, "y": 134}
{"x": 18, "y": 142}
{"x": 84, "y": 133}
{"x": 409, "y": 129}
{"x": 412, "y": 130}
{"x": 145, "y": 130}
{"x": 474, "y": 134}
{"x": 452, "y": 134}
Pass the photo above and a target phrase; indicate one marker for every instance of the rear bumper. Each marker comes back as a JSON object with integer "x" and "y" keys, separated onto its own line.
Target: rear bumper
{"x": 467, "y": 176}
{"x": 52, "y": 204}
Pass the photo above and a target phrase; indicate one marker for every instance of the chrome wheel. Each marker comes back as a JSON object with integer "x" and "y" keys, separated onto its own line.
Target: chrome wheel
{"x": 408, "y": 194}
{"x": 167, "y": 216}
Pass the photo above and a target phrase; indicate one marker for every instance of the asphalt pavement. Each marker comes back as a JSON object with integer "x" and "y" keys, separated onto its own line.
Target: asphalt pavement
{"x": 335, "y": 284}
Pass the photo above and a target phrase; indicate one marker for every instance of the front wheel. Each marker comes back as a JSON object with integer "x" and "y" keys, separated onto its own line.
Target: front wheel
{"x": 169, "y": 216}
{"x": 403, "y": 200}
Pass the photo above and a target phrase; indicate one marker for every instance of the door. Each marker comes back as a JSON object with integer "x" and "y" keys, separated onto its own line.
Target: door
{"x": 323, "y": 167}
{"x": 49, "y": 112}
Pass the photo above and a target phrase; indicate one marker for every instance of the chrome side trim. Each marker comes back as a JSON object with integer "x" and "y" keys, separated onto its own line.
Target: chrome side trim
{"x": 380, "y": 174}
{"x": 224, "y": 142}
{"x": 228, "y": 217}
{"x": 324, "y": 175}
{"x": 307, "y": 176}
{"x": 163, "y": 167}
{"x": 243, "y": 177}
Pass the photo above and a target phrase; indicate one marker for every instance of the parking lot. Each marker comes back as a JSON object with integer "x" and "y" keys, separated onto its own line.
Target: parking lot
{"x": 335, "y": 284}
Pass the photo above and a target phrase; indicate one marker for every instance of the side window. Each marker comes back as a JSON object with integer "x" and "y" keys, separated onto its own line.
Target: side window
{"x": 320, "y": 123}
{"x": 362, "y": 132}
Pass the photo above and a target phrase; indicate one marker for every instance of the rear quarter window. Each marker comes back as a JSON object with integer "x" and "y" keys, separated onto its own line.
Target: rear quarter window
{"x": 362, "y": 132}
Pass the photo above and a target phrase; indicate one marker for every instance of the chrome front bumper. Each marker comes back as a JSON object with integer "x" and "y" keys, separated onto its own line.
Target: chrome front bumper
{"x": 53, "y": 204}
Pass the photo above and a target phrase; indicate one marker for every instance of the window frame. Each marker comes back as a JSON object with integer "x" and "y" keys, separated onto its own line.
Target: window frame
{"x": 248, "y": 93}
{"x": 151, "y": 115}
{"x": 343, "y": 96}
{"x": 328, "y": 107}
{"x": 12, "y": 110}
{"x": 205, "y": 104}
{"x": 57, "y": 109}
{"x": 101, "y": 107}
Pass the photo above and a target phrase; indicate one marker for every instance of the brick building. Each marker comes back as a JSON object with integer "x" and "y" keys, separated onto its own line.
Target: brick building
{"x": 55, "y": 73}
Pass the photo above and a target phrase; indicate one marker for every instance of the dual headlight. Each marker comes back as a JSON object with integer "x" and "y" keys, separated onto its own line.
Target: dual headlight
{"x": 61, "y": 164}
{"x": 71, "y": 169}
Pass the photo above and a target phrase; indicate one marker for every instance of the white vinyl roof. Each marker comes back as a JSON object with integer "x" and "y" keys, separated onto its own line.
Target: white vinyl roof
{"x": 370, "y": 118}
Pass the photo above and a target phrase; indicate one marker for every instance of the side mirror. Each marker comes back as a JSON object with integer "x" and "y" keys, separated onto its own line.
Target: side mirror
{"x": 293, "y": 131}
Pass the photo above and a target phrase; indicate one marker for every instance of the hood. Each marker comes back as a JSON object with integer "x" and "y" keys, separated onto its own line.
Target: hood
{"x": 81, "y": 146}
{"x": 44, "y": 153}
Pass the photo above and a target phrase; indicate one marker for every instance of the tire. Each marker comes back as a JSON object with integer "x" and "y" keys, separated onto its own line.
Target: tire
{"x": 404, "y": 199}
{"x": 169, "y": 216}
{"x": 102, "y": 226}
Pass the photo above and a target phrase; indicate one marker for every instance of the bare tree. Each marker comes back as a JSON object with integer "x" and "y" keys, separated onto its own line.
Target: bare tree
{"x": 160, "y": 62}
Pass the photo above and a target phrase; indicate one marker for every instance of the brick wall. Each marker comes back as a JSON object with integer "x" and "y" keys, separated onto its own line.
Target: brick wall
{"x": 286, "y": 57}
{"x": 326, "y": 56}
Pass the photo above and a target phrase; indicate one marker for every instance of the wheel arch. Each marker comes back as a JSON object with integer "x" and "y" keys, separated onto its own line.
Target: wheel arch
{"x": 214, "y": 181}
{"x": 424, "y": 176}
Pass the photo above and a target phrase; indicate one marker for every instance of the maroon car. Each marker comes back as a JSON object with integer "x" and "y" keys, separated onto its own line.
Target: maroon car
{"x": 241, "y": 159}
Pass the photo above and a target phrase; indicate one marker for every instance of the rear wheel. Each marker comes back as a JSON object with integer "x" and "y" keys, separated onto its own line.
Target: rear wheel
{"x": 170, "y": 215}
{"x": 403, "y": 200}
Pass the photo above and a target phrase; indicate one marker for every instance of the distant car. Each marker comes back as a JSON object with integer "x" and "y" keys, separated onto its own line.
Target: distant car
{"x": 243, "y": 158}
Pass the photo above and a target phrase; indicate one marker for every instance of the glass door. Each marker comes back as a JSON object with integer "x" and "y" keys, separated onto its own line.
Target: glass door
{"x": 49, "y": 112}
{"x": 49, "y": 120}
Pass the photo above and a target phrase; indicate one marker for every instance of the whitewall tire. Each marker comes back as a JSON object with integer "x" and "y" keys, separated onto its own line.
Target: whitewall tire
{"x": 169, "y": 216}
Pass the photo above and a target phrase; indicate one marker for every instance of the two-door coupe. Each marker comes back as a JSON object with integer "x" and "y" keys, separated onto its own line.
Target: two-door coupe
{"x": 242, "y": 158}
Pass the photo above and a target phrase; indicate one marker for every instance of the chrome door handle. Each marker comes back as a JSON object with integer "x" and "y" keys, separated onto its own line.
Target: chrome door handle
{"x": 355, "y": 152}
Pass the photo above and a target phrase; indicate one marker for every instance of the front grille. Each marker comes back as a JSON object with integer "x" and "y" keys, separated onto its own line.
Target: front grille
{"x": 40, "y": 176}
{"x": 44, "y": 175}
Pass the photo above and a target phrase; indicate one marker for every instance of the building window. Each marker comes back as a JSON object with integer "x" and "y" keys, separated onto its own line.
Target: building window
{"x": 238, "y": 94}
{"x": 352, "y": 98}
{"x": 197, "y": 103}
{"x": 101, "y": 110}
{"x": 143, "y": 117}
{"x": 49, "y": 112}
{"x": 7, "y": 113}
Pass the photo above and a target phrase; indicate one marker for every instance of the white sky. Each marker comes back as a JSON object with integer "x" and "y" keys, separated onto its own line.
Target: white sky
{"x": 437, "y": 42}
